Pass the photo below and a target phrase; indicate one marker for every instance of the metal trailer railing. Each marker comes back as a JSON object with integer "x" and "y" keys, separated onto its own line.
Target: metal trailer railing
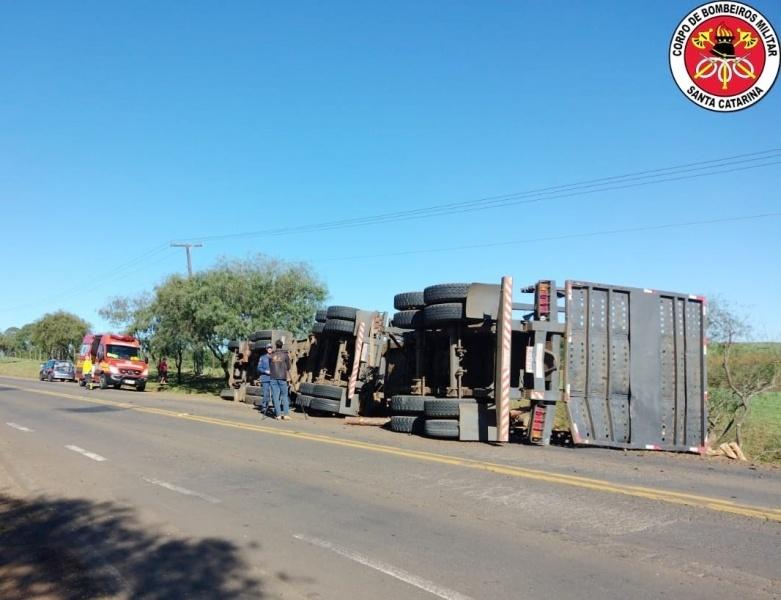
{"x": 632, "y": 368}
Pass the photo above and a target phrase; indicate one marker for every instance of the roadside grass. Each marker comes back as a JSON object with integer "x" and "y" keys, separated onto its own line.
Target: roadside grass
{"x": 19, "y": 367}
{"x": 211, "y": 382}
{"x": 762, "y": 431}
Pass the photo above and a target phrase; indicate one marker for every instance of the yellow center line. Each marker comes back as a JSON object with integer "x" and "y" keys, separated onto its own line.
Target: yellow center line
{"x": 668, "y": 496}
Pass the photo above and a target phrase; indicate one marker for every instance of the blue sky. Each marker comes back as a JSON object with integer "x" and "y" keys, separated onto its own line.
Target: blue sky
{"x": 126, "y": 126}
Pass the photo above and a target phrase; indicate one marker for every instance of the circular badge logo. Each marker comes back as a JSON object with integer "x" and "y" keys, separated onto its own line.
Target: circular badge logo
{"x": 724, "y": 56}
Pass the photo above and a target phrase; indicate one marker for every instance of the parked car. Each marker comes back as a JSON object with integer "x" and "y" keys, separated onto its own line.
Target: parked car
{"x": 57, "y": 370}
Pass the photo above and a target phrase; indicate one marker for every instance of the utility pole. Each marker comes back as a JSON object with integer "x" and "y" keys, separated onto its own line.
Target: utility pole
{"x": 187, "y": 248}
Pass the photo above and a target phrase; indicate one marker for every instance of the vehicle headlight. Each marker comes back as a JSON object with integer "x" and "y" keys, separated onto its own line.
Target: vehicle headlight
{"x": 113, "y": 370}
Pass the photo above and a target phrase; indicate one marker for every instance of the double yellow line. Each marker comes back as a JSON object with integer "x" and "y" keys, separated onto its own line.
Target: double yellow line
{"x": 670, "y": 497}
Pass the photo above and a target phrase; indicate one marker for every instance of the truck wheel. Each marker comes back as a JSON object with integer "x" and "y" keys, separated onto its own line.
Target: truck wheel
{"x": 324, "y": 405}
{"x": 322, "y": 390}
{"x": 407, "y": 405}
{"x": 318, "y": 327}
{"x": 103, "y": 381}
{"x": 141, "y": 387}
{"x": 452, "y": 312}
{"x": 321, "y": 315}
{"x": 443, "y": 408}
{"x": 260, "y": 335}
{"x": 341, "y": 312}
{"x": 51, "y": 378}
{"x": 439, "y": 428}
{"x": 303, "y": 400}
{"x": 407, "y": 424}
{"x": 408, "y": 301}
{"x": 445, "y": 292}
{"x": 339, "y": 326}
{"x": 260, "y": 344}
{"x": 233, "y": 345}
{"x": 408, "y": 319}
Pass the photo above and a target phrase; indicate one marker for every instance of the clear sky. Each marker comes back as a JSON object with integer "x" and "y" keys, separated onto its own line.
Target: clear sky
{"x": 124, "y": 126}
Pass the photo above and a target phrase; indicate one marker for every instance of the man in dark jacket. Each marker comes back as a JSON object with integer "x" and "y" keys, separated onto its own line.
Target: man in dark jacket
{"x": 264, "y": 370}
{"x": 279, "y": 367}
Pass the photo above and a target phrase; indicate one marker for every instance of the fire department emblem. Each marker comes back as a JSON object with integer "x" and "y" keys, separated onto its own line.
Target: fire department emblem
{"x": 724, "y": 56}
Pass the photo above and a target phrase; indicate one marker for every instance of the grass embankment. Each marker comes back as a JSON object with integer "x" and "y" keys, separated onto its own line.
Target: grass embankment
{"x": 762, "y": 431}
{"x": 209, "y": 383}
{"x": 20, "y": 367}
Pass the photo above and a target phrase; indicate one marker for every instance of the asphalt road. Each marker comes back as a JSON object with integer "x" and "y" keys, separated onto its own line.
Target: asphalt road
{"x": 121, "y": 494}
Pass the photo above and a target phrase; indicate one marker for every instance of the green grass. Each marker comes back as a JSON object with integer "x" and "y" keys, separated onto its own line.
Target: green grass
{"x": 20, "y": 367}
{"x": 762, "y": 431}
{"x": 210, "y": 382}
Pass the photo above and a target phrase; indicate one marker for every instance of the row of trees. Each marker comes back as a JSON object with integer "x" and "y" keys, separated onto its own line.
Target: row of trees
{"x": 196, "y": 316}
{"x": 55, "y": 335}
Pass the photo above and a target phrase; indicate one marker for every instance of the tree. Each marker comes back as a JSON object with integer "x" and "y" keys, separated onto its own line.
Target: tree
{"x": 236, "y": 298}
{"x": 230, "y": 301}
{"x": 59, "y": 334}
{"x": 742, "y": 371}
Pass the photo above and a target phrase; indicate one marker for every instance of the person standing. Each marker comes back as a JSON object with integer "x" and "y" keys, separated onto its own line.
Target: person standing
{"x": 162, "y": 371}
{"x": 279, "y": 367}
{"x": 264, "y": 371}
{"x": 86, "y": 371}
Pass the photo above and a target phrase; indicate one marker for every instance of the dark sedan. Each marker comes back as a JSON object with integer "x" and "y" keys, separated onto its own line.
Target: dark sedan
{"x": 53, "y": 370}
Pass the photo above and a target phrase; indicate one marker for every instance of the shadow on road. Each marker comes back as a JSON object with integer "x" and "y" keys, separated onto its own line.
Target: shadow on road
{"x": 69, "y": 549}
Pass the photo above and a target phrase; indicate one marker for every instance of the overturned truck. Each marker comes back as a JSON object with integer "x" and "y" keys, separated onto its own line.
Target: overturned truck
{"x": 628, "y": 363}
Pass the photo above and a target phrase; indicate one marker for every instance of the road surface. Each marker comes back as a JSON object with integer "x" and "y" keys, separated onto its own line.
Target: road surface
{"x": 118, "y": 494}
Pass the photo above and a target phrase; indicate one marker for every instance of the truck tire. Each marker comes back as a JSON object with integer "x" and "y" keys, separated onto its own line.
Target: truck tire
{"x": 408, "y": 301}
{"x": 260, "y": 344}
{"x": 324, "y": 405}
{"x": 303, "y": 400}
{"x": 226, "y": 394}
{"x": 445, "y": 292}
{"x": 254, "y": 390}
{"x": 341, "y": 312}
{"x": 407, "y": 424}
{"x": 263, "y": 334}
{"x": 321, "y": 315}
{"x": 318, "y": 327}
{"x": 408, "y": 405}
{"x": 408, "y": 319}
{"x": 233, "y": 345}
{"x": 445, "y": 408}
{"x": 321, "y": 390}
{"x": 441, "y": 428}
{"x": 103, "y": 381}
{"x": 141, "y": 387}
{"x": 339, "y": 326}
{"x": 436, "y": 314}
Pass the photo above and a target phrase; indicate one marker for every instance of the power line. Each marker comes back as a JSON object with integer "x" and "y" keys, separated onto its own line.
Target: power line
{"x": 553, "y": 238}
{"x": 615, "y": 182}
{"x": 90, "y": 282}
{"x": 712, "y": 167}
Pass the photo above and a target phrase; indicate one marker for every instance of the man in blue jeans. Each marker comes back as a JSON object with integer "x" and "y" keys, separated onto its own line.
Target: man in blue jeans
{"x": 279, "y": 367}
{"x": 264, "y": 370}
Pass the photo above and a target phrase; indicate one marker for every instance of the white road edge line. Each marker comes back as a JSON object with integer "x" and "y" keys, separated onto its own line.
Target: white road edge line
{"x": 382, "y": 567}
{"x": 19, "y": 427}
{"x": 87, "y": 453}
{"x": 181, "y": 490}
